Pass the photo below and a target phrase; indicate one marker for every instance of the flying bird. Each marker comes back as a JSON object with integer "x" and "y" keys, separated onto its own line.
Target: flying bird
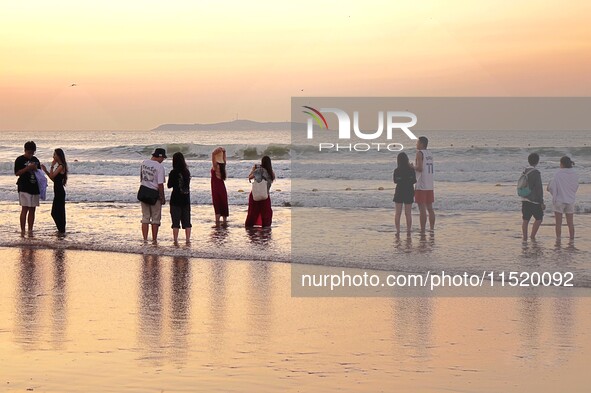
{"x": 73, "y": 84}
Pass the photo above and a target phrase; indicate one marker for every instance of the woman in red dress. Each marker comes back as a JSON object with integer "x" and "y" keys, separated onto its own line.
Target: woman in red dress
{"x": 260, "y": 212}
{"x": 219, "y": 195}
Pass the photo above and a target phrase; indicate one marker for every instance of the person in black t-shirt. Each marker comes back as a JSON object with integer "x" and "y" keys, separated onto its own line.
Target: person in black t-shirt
{"x": 28, "y": 187}
{"x": 179, "y": 180}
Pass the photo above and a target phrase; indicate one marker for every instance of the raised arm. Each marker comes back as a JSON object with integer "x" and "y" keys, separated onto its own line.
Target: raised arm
{"x": 213, "y": 161}
{"x": 251, "y": 174}
{"x": 216, "y": 151}
{"x": 54, "y": 171}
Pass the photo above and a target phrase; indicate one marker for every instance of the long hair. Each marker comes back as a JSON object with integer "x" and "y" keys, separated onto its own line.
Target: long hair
{"x": 222, "y": 166}
{"x": 179, "y": 164}
{"x": 402, "y": 162}
{"x": 62, "y": 157}
{"x": 266, "y": 163}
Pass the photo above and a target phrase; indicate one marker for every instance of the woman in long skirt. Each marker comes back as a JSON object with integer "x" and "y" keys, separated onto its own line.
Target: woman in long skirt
{"x": 219, "y": 195}
{"x": 260, "y": 212}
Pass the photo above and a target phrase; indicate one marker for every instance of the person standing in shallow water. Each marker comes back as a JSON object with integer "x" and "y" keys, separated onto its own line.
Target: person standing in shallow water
{"x": 424, "y": 194}
{"x": 179, "y": 179}
{"x": 260, "y": 212}
{"x": 28, "y": 187}
{"x": 58, "y": 173}
{"x": 152, "y": 176}
{"x": 219, "y": 195}
{"x": 532, "y": 205}
{"x": 563, "y": 188}
{"x": 404, "y": 178}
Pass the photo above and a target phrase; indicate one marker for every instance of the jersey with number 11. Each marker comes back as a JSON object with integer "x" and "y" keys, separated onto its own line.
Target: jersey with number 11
{"x": 425, "y": 177}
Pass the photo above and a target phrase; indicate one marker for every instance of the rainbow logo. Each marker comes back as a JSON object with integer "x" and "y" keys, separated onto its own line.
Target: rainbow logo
{"x": 317, "y": 116}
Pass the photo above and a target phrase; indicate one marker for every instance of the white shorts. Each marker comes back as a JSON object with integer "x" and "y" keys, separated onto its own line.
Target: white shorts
{"x": 152, "y": 214}
{"x": 27, "y": 200}
{"x": 568, "y": 208}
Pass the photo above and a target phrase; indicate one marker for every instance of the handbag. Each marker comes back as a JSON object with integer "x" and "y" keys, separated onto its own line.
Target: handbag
{"x": 148, "y": 195}
{"x": 259, "y": 190}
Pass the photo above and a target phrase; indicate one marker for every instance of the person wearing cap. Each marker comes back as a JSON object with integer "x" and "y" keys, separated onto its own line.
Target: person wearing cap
{"x": 219, "y": 194}
{"x": 28, "y": 186}
{"x": 563, "y": 188}
{"x": 152, "y": 176}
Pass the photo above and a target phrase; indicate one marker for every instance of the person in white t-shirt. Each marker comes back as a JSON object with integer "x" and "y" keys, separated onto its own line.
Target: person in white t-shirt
{"x": 152, "y": 176}
{"x": 563, "y": 188}
{"x": 424, "y": 195}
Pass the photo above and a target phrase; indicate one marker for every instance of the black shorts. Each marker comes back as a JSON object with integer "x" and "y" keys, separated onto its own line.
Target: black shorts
{"x": 180, "y": 215}
{"x": 404, "y": 199}
{"x": 529, "y": 209}
{"x": 404, "y": 196}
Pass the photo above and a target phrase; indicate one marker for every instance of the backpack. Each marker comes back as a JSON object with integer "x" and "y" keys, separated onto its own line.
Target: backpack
{"x": 523, "y": 189}
{"x": 183, "y": 185}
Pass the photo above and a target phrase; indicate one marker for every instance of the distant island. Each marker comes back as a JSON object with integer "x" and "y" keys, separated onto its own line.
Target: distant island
{"x": 235, "y": 125}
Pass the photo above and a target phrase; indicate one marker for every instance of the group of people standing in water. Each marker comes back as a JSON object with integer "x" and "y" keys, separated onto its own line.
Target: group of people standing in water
{"x": 152, "y": 196}
{"x": 414, "y": 183}
{"x": 32, "y": 184}
{"x": 563, "y": 188}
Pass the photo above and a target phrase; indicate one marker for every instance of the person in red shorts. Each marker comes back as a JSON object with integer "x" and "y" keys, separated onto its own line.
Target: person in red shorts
{"x": 424, "y": 196}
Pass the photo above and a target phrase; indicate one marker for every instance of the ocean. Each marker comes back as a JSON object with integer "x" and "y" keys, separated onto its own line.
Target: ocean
{"x": 475, "y": 175}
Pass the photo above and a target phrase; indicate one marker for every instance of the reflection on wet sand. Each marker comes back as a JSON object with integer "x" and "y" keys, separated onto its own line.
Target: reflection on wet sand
{"x": 34, "y": 292}
{"x": 426, "y": 243}
{"x": 564, "y": 319}
{"x": 531, "y": 251}
{"x": 204, "y": 321}
{"x": 259, "y": 236}
{"x": 59, "y": 299}
{"x": 219, "y": 235}
{"x": 260, "y": 284}
{"x": 403, "y": 244}
{"x": 217, "y": 305}
{"x": 530, "y": 310}
{"x": 535, "y": 314}
{"x": 28, "y": 299}
{"x": 180, "y": 308}
{"x": 260, "y": 300}
{"x": 164, "y": 331}
{"x": 150, "y": 306}
{"x": 412, "y": 319}
{"x": 566, "y": 247}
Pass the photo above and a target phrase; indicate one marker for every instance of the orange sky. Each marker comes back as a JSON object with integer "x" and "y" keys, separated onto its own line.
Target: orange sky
{"x": 138, "y": 64}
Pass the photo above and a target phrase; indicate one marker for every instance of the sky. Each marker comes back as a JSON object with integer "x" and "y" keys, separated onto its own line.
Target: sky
{"x": 137, "y": 64}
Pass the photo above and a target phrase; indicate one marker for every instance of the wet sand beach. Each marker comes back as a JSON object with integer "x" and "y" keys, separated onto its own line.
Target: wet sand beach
{"x": 93, "y": 321}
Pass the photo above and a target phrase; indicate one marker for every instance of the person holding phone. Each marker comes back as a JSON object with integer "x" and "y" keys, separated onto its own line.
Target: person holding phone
{"x": 260, "y": 212}
{"x": 28, "y": 187}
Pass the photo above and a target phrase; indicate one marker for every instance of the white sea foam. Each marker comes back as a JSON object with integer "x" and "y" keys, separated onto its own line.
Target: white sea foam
{"x": 473, "y": 171}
